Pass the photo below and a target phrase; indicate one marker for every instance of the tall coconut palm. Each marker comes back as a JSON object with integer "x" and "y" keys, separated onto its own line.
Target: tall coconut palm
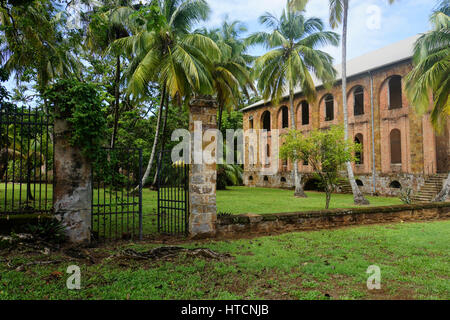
{"x": 431, "y": 74}
{"x": 230, "y": 72}
{"x": 293, "y": 54}
{"x": 105, "y": 27}
{"x": 171, "y": 56}
{"x": 32, "y": 40}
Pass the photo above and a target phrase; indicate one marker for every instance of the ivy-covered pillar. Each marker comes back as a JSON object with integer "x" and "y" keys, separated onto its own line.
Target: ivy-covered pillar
{"x": 202, "y": 175}
{"x": 72, "y": 195}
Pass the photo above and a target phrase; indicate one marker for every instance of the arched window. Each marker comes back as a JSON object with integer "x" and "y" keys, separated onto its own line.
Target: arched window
{"x": 395, "y": 185}
{"x": 359, "y": 183}
{"x": 283, "y": 180}
{"x": 250, "y": 178}
{"x": 396, "y": 147}
{"x": 359, "y": 155}
{"x": 284, "y": 117}
{"x": 329, "y": 108}
{"x": 305, "y": 113}
{"x": 358, "y": 95}
{"x": 265, "y": 119}
{"x": 250, "y": 122}
{"x": 395, "y": 92}
{"x": 266, "y": 178}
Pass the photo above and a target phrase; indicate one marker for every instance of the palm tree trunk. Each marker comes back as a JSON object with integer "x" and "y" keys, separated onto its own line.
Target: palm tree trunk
{"x": 163, "y": 142}
{"x": 443, "y": 195}
{"x": 219, "y": 122}
{"x": 358, "y": 197}
{"x": 155, "y": 141}
{"x": 299, "y": 192}
{"x": 116, "y": 103}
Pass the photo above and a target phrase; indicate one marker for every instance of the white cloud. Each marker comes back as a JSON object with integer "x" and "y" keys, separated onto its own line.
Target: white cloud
{"x": 399, "y": 21}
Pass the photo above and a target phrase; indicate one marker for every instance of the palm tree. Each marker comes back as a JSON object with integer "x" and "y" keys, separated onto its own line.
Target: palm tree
{"x": 293, "y": 54}
{"x": 338, "y": 16}
{"x": 106, "y": 27}
{"x": 170, "y": 56}
{"x": 230, "y": 72}
{"x": 32, "y": 41}
{"x": 430, "y": 74}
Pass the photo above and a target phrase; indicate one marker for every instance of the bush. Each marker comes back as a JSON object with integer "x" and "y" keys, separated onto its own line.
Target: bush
{"x": 49, "y": 230}
{"x": 406, "y": 196}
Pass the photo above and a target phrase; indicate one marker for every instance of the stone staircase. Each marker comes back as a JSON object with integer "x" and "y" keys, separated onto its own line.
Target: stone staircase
{"x": 430, "y": 189}
{"x": 345, "y": 187}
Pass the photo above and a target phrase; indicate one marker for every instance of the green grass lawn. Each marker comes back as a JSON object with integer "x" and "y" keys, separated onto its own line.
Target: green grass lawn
{"x": 240, "y": 200}
{"x": 235, "y": 200}
{"x": 413, "y": 257}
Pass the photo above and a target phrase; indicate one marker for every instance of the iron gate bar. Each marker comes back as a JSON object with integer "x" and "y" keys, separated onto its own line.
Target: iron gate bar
{"x": 118, "y": 206}
{"x": 173, "y": 196}
{"x": 33, "y": 125}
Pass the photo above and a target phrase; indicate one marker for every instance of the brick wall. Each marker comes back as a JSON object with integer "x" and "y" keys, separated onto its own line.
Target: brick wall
{"x": 419, "y": 150}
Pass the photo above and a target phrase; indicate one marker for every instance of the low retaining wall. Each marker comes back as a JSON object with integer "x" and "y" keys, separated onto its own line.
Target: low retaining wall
{"x": 314, "y": 220}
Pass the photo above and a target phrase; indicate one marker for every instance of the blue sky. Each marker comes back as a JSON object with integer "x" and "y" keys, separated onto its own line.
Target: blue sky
{"x": 401, "y": 20}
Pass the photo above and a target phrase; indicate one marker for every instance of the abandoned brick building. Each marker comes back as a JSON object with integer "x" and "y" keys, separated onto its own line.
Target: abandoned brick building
{"x": 399, "y": 148}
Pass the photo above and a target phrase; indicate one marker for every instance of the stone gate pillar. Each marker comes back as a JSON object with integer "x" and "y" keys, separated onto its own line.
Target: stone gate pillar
{"x": 202, "y": 176}
{"x": 72, "y": 194}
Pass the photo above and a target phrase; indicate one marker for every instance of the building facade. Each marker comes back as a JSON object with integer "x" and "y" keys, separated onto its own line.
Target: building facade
{"x": 399, "y": 147}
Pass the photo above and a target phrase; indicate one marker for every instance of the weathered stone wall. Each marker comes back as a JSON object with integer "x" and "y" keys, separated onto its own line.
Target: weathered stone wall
{"x": 202, "y": 177}
{"x": 72, "y": 192}
{"x": 423, "y": 153}
{"x": 284, "y": 222}
{"x": 383, "y": 181}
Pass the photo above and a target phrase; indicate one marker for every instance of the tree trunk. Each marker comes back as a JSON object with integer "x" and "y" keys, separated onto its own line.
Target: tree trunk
{"x": 155, "y": 141}
{"x": 219, "y": 122}
{"x": 443, "y": 195}
{"x": 116, "y": 103}
{"x": 328, "y": 198}
{"x": 3, "y": 163}
{"x": 358, "y": 197}
{"x": 29, "y": 193}
{"x": 299, "y": 192}
{"x": 163, "y": 142}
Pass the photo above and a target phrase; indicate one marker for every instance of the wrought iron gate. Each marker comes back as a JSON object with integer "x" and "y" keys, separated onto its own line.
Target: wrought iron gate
{"x": 117, "y": 195}
{"x": 173, "y": 196}
{"x": 26, "y": 160}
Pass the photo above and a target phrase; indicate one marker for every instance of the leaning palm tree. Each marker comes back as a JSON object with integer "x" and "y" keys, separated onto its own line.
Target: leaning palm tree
{"x": 293, "y": 54}
{"x": 338, "y": 16}
{"x": 170, "y": 55}
{"x": 431, "y": 74}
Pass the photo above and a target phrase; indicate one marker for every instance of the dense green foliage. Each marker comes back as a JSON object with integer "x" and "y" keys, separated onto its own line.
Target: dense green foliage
{"x": 81, "y": 105}
{"x": 432, "y": 68}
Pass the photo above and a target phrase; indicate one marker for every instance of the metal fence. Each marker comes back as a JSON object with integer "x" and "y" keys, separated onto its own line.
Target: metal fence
{"x": 117, "y": 195}
{"x": 173, "y": 196}
{"x": 26, "y": 161}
